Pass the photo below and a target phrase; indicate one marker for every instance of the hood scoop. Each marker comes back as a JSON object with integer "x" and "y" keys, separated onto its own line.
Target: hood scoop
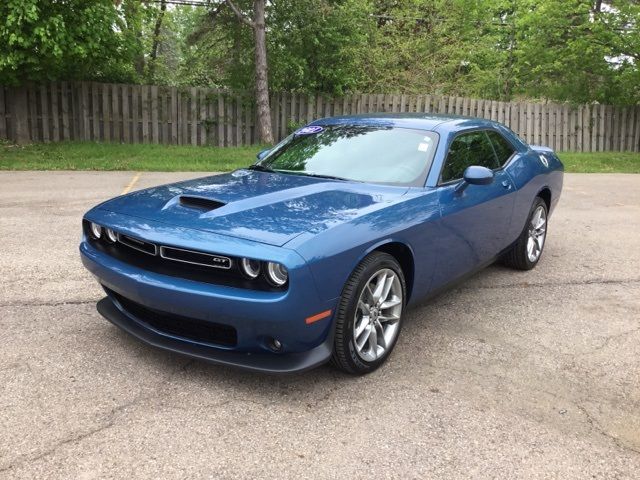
{"x": 200, "y": 203}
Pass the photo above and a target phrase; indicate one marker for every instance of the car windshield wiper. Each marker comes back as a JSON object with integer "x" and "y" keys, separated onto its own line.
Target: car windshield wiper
{"x": 320, "y": 175}
{"x": 260, "y": 168}
{"x": 263, "y": 168}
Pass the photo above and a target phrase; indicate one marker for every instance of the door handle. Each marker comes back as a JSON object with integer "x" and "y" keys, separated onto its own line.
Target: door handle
{"x": 506, "y": 184}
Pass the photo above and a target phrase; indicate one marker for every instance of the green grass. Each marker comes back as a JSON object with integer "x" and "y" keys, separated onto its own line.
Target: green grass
{"x": 609, "y": 162}
{"x": 112, "y": 156}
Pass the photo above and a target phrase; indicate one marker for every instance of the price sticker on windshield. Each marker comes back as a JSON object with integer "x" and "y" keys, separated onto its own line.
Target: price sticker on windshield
{"x": 310, "y": 130}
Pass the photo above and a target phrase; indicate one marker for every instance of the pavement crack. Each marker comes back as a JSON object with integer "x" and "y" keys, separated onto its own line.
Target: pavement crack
{"x": 620, "y": 281}
{"x": 595, "y": 426}
{"x": 47, "y": 304}
{"x": 608, "y": 339}
{"x": 74, "y": 439}
{"x": 111, "y": 419}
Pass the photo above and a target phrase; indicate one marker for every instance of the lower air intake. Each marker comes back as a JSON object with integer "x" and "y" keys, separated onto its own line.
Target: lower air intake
{"x": 178, "y": 326}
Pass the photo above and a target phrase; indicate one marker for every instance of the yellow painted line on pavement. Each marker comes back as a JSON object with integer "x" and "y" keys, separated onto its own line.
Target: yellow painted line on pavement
{"x": 132, "y": 183}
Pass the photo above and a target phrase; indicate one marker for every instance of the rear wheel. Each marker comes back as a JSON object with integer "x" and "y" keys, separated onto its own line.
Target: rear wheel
{"x": 526, "y": 252}
{"x": 369, "y": 316}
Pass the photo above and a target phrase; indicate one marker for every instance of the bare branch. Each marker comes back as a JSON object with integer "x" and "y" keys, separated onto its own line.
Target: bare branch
{"x": 239, "y": 14}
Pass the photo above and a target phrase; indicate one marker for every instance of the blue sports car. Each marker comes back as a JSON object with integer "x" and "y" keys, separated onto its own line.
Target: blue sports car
{"x": 314, "y": 253}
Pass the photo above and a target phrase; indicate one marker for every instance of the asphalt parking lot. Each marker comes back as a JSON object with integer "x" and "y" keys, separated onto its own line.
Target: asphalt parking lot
{"x": 511, "y": 374}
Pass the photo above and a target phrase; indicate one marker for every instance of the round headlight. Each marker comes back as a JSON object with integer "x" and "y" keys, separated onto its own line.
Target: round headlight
{"x": 277, "y": 274}
{"x": 250, "y": 267}
{"x": 110, "y": 235}
{"x": 96, "y": 230}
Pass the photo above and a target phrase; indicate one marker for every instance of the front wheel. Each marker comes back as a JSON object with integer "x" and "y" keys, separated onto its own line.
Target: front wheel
{"x": 526, "y": 252}
{"x": 369, "y": 315}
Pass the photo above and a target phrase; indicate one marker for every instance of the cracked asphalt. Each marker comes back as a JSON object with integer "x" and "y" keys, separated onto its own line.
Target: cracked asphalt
{"x": 512, "y": 374}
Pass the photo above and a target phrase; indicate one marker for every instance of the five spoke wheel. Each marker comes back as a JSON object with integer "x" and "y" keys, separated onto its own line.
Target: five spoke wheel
{"x": 369, "y": 315}
{"x": 526, "y": 251}
{"x": 378, "y": 314}
{"x": 537, "y": 233}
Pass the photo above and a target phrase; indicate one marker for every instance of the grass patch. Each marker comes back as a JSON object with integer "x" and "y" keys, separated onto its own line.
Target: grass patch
{"x": 113, "y": 156}
{"x": 607, "y": 162}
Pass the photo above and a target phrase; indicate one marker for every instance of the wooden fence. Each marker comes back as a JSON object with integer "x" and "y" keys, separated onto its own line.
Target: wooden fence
{"x": 201, "y": 116}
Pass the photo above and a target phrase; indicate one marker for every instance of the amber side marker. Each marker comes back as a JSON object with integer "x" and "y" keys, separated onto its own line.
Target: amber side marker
{"x": 317, "y": 316}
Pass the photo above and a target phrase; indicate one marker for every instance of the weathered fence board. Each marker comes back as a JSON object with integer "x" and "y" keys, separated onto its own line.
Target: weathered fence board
{"x": 201, "y": 116}
{"x": 3, "y": 116}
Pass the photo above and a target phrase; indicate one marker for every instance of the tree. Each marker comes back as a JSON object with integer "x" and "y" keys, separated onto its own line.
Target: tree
{"x": 156, "y": 38}
{"x": 318, "y": 45}
{"x": 44, "y": 40}
{"x": 257, "y": 23}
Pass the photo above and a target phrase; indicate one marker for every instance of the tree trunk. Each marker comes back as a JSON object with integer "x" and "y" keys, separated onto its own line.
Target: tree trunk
{"x": 597, "y": 8}
{"x": 262, "y": 81}
{"x": 156, "y": 39}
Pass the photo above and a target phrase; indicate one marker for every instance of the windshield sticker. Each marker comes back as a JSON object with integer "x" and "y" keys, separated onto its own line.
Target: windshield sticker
{"x": 423, "y": 147}
{"x": 310, "y": 130}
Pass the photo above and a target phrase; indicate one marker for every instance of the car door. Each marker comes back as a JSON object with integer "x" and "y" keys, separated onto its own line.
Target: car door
{"x": 474, "y": 218}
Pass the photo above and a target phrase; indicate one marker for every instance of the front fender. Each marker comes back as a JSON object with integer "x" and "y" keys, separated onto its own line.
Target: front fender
{"x": 334, "y": 254}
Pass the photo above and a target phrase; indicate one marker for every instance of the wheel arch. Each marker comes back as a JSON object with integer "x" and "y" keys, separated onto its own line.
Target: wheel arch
{"x": 403, "y": 253}
{"x": 545, "y": 194}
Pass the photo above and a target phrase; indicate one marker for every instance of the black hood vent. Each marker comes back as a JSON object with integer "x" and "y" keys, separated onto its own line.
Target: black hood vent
{"x": 200, "y": 203}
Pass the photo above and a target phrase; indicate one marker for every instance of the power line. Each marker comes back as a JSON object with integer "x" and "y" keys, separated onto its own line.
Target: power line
{"x": 192, "y": 3}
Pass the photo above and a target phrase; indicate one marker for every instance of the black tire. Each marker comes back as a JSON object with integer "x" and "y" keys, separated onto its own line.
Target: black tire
{"x": 517, "y": 256}
{"x": 345, "y": 356}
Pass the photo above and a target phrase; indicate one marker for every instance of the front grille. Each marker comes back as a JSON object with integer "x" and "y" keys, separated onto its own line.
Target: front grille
{"x": 137, "y": 244}
{"x": 176, "y": 262}
{"x": 195, "y": 258}
{"x": 178, "y": 326}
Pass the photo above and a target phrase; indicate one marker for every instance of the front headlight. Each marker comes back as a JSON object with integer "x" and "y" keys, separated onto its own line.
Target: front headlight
{"x": 96, "y": 230}
{"x": 250, "y": 268}
{"x": 111, "y": 235}
{"x": 277, "y": 274}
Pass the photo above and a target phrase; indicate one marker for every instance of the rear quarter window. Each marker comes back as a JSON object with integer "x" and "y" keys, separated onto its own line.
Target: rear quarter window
{"x": 504, "y": 149}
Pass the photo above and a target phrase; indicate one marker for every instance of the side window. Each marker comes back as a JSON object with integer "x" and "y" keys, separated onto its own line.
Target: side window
{"x": 468, "y": 149}
{"x": 504, "y": 150}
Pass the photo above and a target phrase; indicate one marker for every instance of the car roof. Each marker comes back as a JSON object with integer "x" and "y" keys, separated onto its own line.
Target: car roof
{"x": 421, "y": 121}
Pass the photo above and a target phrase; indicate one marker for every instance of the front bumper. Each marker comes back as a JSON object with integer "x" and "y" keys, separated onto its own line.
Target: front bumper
{"x": 258, "y": 317}
{"x": 258, "y": 362}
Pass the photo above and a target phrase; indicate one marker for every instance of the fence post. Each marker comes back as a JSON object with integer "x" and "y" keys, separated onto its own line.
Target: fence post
{"x": 19, "y": 109}
{"x": 3, "y": 124}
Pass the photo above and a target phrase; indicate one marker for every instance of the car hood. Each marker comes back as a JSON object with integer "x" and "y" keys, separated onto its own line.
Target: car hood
{"x": 271, "y": 208}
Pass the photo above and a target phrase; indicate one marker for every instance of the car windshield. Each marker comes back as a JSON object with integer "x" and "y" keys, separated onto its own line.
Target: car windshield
{"x": 376, "y": 154}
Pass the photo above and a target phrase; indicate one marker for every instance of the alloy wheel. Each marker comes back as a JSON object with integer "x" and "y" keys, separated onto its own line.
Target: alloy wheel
{"x": 537, "y": 233}
{"x": 377, "y": 317}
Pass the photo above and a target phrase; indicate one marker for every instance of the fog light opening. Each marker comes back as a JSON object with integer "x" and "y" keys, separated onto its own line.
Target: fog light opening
{"x": 275, "y": 345}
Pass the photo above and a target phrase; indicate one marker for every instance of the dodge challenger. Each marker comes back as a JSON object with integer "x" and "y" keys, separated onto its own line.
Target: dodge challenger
{"x": 314, "y": 253}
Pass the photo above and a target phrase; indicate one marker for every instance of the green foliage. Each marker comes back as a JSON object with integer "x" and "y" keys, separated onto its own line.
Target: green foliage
{"x": 317, "y": 45}
{"x": 564, "y": 50}
{"x": 48, "y": 39}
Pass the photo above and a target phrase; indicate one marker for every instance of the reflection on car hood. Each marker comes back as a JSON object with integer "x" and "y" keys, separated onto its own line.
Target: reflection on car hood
{"x": 270, "y": 208}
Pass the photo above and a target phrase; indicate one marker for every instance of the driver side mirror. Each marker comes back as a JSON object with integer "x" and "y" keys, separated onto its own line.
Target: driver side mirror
{"x": 477, "y": 175}
{"x": 263, "y": 153}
